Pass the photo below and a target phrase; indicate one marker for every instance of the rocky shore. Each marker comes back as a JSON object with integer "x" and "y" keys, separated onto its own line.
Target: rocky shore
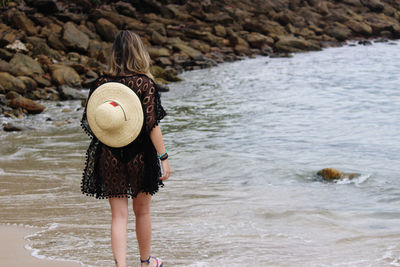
{"x": 51, "y": 49}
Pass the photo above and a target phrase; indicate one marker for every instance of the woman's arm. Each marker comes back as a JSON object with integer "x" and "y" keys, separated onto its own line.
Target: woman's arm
{"x": 156, "y": 138}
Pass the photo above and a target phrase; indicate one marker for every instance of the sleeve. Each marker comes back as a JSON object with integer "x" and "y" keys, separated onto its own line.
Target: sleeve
{"x": 84, "y": 121}
{"x": 151, "y": 102}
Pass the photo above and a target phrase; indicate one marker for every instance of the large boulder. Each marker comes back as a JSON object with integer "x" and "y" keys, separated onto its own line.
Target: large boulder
{"x": 31, "y": 106}
{"x": 30, "y": 84}
{"x": 74, "y": 38}
{"x": 359, "y": 27}
{"x": 23, "y": 65}
{"x": 156, "y": 52}
{"x": 40, "y": 47}
{"x": 293, "y": 44}
{"x": 373, "y": 5}
{"x": 111, "y": 16}
{"x": 21, "y": 21}
{"x": 4, "y": 66}
{"x": 55, "y": 42}
{"x": 185, "y": 49}
{"x": 106, "y": 30}
{"x": 99, "y": 50}
{"x": 339, "y": 31}
{"x": 11, "y": 83}
{"x": 62, "y": 74}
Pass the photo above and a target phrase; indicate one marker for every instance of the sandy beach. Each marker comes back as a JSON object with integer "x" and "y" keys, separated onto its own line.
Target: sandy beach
{"x": 13, "y": 251}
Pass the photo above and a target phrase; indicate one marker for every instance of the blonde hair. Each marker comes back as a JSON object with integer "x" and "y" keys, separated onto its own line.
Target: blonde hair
{"x": 129, "y": 55}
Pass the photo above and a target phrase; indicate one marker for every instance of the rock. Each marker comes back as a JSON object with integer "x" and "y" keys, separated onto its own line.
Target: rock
{"x": 199, "y": 45}
{"x": 177, "y": 12}
{"x": 364, "y": 42}
{"x": 30, "y": 84}
{"x": 157, "y": 38}
{"x": 17, "y": 46}
{"x": 339, "y": 31}
{"x": 23, "y": 65}
{"x": 221, "y": 17}
{"x": 191, "y": 52}
{"x": 48, "y": 6}
{"x": 359, "y": 27}
{"x": 258, "y": 40}
{"x": 164, "y": 61}
{"x": 68, "y": 93}
{"x": 7, "y": 38}
{"x": 41, "y": 81}
{"x": 158, "y": 27}
{"x": 356, "y": 3}
{"x": 12, "y": 95}
{"x": 25, "y": 103}
{"x": 9, "y": 127}
{"x": 73, "y": 56}
{"x": 11, "y": 83}
{"x": 4, "y": 66}
{"x": 99, "y": 50}
{"x": 54, "y": 41}
{"x": 74, "y": 39}
{"x": 373, "y": 5}
{"x": 40, "y": 47}
{"x": 4, "y": 54}
{"x": 220, "y": 30}
{"x": 3, "y": 99}
{"x": 126, "y": 9}
{"x": 159, "y": 72}
{"x": 65, "y": 75}
{"x": 113, "y": 17}
{"x": 106, "y": 30}
{"x": 292, "y": 44}
{"x": 21, "y": 21}
{"x": 156, "y": 52}
{"x": 331, "y": 174}
{"x": 207, "y": 37}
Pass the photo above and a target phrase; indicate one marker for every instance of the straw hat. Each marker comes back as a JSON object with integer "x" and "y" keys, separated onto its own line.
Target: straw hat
{"x": 115, "y": 114}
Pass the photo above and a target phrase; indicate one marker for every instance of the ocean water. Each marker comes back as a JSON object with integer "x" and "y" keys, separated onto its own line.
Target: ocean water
{"x": 245, "y": 141}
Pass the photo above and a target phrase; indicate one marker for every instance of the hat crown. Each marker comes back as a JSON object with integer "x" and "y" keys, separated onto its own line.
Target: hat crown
{"x": 109, "y": 116}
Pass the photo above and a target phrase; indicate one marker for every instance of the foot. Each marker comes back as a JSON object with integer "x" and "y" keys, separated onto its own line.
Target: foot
{"x": 152, "y": 262}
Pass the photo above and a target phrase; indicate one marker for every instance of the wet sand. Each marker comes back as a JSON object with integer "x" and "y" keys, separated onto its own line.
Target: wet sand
{"x": 13, "y": 251}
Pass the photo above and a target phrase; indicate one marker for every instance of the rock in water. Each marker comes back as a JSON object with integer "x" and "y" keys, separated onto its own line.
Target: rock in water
{"x": 331, "y": 174}
{"x": 69, "y": 93}
{"x": 25, "y": 103}
{"x": 12, "y": 128}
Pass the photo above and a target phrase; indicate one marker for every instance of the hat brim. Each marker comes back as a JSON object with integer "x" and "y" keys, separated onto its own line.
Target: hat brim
{"x": 129, "y": 101}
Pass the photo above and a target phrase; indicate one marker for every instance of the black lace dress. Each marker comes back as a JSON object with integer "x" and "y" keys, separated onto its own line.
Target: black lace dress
{"x": 135, "y": 168}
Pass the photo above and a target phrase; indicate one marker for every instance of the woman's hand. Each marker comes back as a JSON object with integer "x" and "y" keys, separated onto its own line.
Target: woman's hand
{"x": 166, "y": 170}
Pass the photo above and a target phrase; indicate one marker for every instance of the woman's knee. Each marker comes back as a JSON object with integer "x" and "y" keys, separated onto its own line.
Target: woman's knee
{"x": 119, "y": 209}
{"x": 141, "y": 204}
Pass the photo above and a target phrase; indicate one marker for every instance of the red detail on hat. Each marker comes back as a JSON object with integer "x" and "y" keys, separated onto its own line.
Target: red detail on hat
{"x": 114, "y": 104}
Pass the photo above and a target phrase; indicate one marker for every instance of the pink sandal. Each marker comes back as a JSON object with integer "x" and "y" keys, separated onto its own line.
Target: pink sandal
{"x": 148, "y": 261}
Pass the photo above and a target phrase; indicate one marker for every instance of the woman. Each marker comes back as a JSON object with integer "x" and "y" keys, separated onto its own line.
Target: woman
{"x": 133, "y": 170}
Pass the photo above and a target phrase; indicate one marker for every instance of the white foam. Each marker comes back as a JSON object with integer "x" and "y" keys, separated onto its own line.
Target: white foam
{"x": 356, "y": 181}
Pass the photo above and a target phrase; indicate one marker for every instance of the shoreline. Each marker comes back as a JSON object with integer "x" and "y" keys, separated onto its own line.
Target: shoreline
{"x": 14, "y": 250}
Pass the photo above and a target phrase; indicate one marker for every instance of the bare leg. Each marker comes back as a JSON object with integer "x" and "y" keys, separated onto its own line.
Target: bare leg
{"x": 141, "y": 208}
{"x": 119, "y": 210}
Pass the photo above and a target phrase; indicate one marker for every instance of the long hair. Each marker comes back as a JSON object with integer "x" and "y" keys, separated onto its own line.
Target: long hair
{"x": 129, "y": 55}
